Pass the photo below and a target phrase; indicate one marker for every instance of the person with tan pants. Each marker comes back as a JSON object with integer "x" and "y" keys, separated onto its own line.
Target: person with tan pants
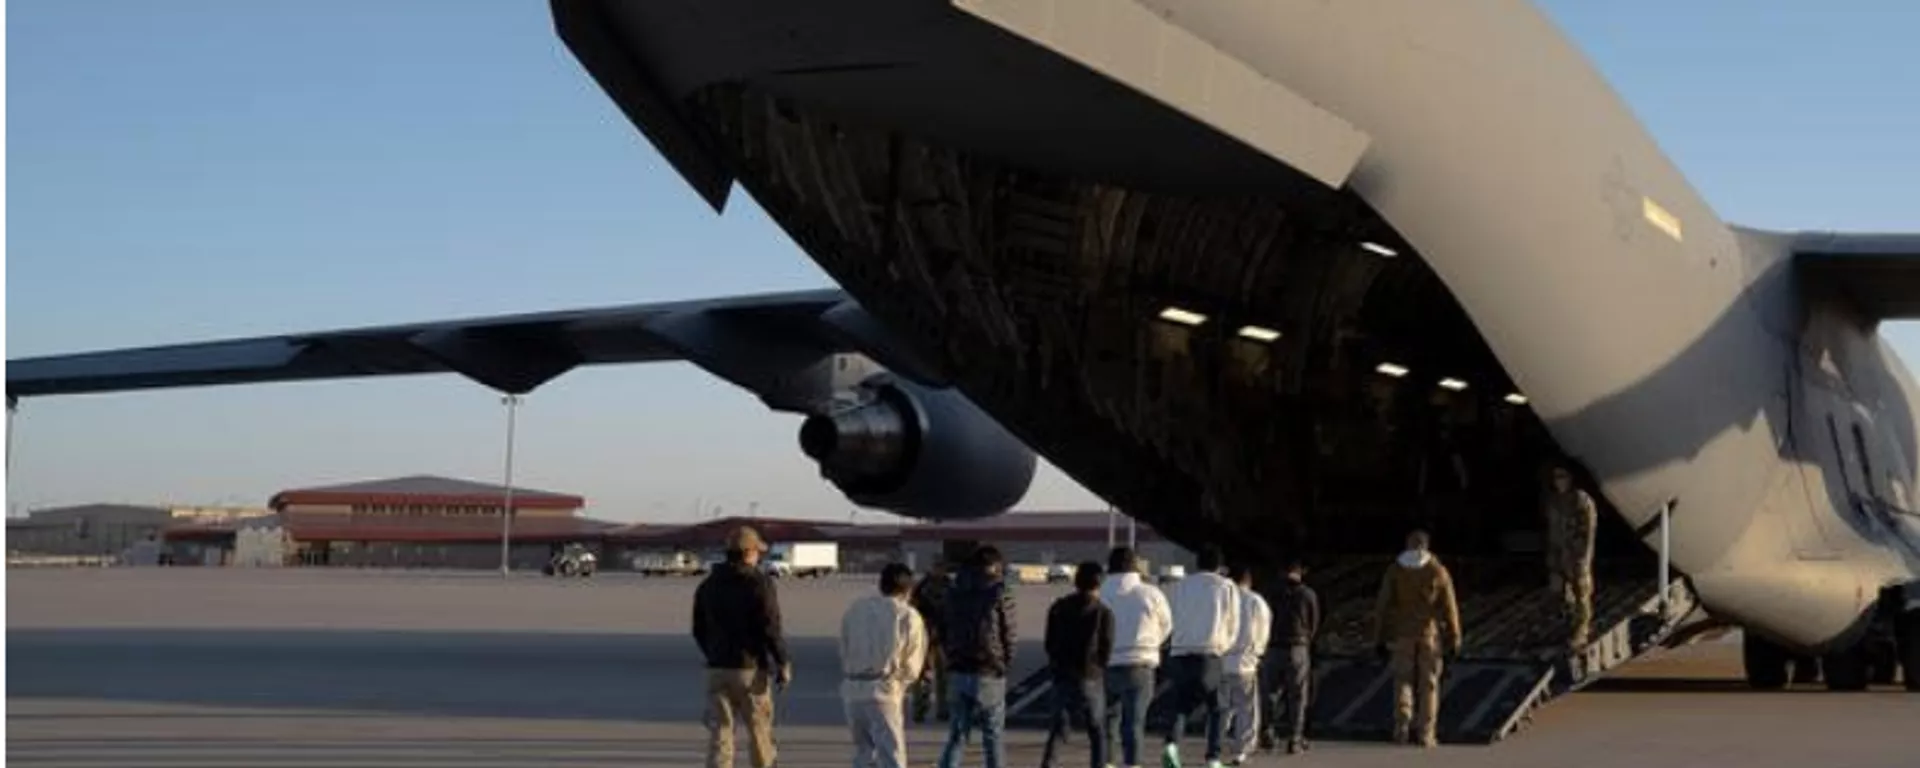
{"x": 736, "y": 621}
{"x": 1417, "y": 625}
{"x": 1571, "y": 519}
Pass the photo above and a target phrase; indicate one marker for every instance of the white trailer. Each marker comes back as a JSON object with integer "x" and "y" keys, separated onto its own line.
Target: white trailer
{"x": 803, "y": 559}
{"x": 668, "y": 564}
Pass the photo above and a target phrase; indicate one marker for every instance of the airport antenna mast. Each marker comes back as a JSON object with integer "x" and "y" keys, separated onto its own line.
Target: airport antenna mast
{"x": 506, "y": 507}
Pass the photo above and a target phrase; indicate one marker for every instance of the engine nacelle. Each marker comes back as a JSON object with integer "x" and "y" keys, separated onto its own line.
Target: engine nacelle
{"x": 919, "y": 452}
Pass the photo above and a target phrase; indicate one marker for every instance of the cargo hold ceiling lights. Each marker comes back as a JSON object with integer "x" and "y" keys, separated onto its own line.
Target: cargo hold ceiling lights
{"x": 1378, "y": 249}
{"x": 1258, "y": 333}
{"x": 1517, "y": 399}
{"x": 1453, "y": 384}
{"x": 1391, "y": 369}
{"x": 1182, "y": 316}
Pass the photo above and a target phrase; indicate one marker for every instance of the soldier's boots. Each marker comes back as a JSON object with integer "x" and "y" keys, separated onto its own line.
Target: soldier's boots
{"x": 1426, "y": 741}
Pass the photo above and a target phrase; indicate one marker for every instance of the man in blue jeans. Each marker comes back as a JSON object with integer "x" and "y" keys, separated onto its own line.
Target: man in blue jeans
{"x": 978, "y": 646}
{"x": 1079, "y": 640}
{"x": 1206, "y": 621}
{"x": 1141, "y": 623}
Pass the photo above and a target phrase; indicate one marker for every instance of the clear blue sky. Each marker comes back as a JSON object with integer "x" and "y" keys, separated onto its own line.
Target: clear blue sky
{"x": 188, "y": 170}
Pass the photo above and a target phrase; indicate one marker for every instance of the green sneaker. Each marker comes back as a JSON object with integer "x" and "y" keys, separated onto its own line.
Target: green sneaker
{"x": 1171, "y": 757}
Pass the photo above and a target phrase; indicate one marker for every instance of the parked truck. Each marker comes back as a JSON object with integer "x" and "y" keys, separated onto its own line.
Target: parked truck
{"x": 803, "y": 559}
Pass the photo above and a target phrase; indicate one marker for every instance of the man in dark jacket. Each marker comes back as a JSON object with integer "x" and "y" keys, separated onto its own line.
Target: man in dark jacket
{"x": 1079, "y": 642}
{"x": 930, "y": 599}
{"x": 736, "y": 621}
{"x": 1296, "y": 621}
{"x": 977, "y": 639}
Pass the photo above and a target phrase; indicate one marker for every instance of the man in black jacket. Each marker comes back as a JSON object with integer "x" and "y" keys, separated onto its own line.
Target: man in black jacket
{"x": 736, "y": 621}
{"x": 977, "y": 640}
{"x": 930, "y": 599}
{"x": 1079, "y": 642}
{"x": 1289, "y": 660}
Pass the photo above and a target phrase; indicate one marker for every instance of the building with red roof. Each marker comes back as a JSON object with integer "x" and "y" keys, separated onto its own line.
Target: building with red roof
{"x": 425, "y": 496}
{"x": 421, "y": 521}
{"x": 425, "y": 521}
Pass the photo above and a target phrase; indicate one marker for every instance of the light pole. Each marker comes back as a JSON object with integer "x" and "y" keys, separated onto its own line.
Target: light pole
{"x": 13, "y": 404}
{"x": 506, "y": 508}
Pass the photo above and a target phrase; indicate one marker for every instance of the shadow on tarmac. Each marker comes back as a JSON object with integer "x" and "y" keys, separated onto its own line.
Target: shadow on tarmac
{"x": 648, "y": 678}
{"x": 573, "y": 676}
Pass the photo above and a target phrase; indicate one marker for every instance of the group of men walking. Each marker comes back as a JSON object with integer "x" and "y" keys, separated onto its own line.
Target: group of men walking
{"x": 947, "y": 644}
{"x": 1104, "y": 643}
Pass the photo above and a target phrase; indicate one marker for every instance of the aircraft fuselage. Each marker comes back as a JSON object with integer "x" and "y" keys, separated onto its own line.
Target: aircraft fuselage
{"x": 1017, "y": 189}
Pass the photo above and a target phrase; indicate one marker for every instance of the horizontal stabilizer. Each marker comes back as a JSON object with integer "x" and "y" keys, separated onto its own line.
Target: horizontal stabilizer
{"x": 1878, "y": 274}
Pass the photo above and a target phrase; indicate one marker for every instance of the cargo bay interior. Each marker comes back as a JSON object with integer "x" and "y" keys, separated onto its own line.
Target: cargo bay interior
{"x": 1272, "y": 370}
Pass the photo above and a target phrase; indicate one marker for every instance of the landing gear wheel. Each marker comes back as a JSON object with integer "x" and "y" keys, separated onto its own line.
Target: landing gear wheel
{"x": 1846, "y": 670}
{"x": 1907, "y": 629}
{"x": 1766, "y": 663}
{"x": 1806, "y": 669}
{"x": 568, "y": 569}
{"x": 1883, "y": 659}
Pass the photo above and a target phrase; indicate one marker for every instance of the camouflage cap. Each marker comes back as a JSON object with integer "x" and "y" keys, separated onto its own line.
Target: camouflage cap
{"x": 745, "y": 538}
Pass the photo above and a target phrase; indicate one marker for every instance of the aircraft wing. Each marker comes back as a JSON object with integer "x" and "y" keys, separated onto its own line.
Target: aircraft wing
{"x": 1878, "y": 273}
{"x": 765, "y": 343}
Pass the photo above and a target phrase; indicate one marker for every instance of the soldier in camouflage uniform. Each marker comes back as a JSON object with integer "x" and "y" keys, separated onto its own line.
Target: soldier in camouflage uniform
{"x": 1571, "y": 518}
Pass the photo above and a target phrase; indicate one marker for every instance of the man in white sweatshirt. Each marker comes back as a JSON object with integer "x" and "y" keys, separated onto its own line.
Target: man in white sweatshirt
{"x": 1141, "y": 623}
{"x": 1242, "y": 678}
{"x": 1206, "y": 622}
{"x": 883, "y": 644}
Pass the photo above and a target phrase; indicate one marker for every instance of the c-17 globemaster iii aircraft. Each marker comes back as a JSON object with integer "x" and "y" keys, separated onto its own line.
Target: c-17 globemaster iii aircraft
{"x": 1284, "y": 276}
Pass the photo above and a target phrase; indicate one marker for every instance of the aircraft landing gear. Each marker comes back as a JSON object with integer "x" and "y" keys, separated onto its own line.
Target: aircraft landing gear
{"x": 1907, "y": 632}
{"x": 1806, "y": 669}
{"x": 1765, "y": 662}
{"x": 1771, "y": 668}
{"x": 1846, "y": 669}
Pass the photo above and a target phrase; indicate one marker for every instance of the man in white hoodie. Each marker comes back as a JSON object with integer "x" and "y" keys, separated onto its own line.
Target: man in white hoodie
{"x": 1206, "y": 622}
{"x": 1243, "y": 668}
{"x": 1141, "y": 623}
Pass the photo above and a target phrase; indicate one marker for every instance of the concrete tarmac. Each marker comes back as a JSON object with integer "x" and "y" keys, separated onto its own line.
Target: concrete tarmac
{"x": 223, "y": 667}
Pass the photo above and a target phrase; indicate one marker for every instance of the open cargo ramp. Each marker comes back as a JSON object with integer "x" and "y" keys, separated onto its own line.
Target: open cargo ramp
{"x": 1515, "y": 658}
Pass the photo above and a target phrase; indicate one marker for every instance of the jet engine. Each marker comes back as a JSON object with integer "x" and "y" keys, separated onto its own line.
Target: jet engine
{"x": 919, "y": 452}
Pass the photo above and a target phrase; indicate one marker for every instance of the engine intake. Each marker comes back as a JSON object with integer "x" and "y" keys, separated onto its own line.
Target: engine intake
{"x": 919, "y": 452}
